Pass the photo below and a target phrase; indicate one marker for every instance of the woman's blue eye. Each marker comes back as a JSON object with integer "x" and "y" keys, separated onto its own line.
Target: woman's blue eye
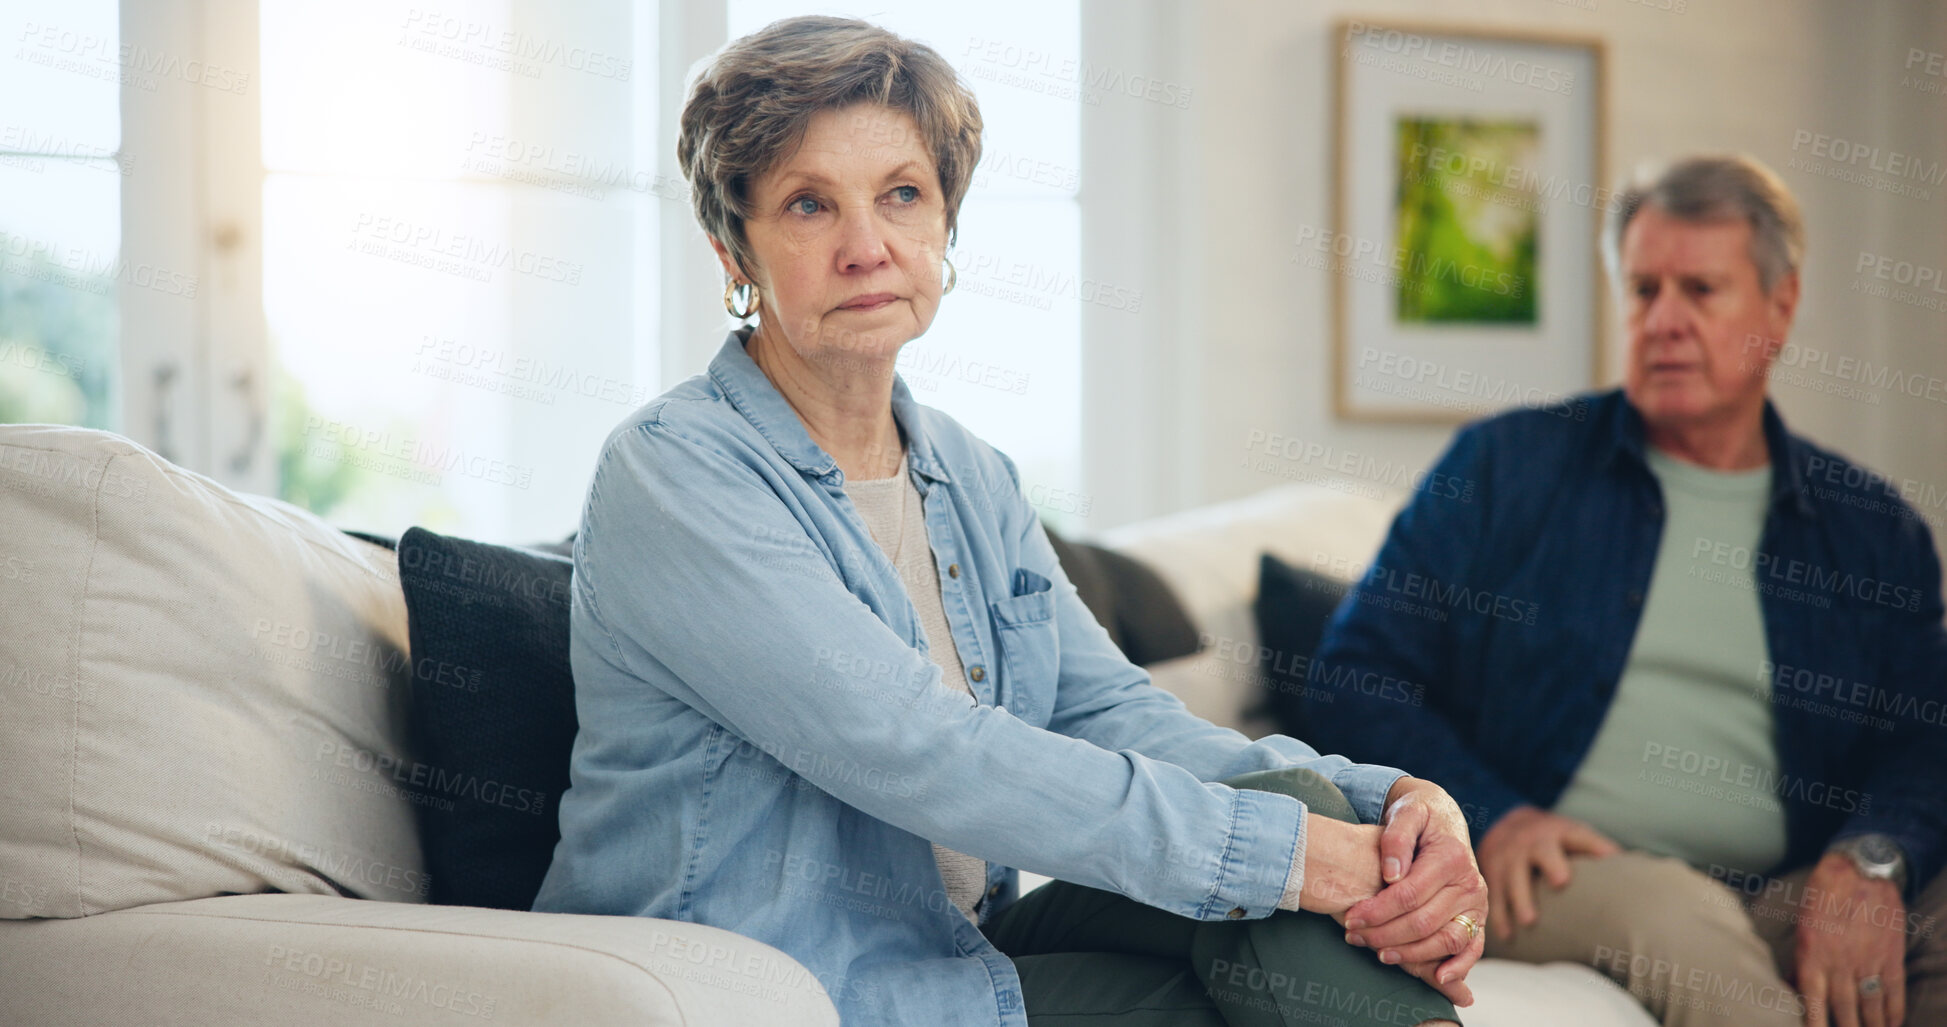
{"x": 805, "y": 205}
{"x": 907, "y": 193}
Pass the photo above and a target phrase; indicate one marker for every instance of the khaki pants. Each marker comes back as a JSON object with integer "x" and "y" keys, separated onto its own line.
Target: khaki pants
{"x": 1695, "y": 952}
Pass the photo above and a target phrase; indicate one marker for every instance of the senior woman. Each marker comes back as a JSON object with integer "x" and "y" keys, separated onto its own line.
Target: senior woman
{"x": 834, "y": 687}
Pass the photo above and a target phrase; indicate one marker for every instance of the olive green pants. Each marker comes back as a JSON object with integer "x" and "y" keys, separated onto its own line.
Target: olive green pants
{"x": 1095, "y": 958}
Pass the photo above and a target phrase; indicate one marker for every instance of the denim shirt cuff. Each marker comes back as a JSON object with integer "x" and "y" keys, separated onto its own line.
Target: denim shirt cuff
{"x": 1365, "y": 785}
{"x": 1267, "y": 836}
{"x": 1294, "y": 881}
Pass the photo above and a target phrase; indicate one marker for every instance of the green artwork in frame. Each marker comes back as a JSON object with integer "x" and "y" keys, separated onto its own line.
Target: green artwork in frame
{"x": 1467, "y": 220}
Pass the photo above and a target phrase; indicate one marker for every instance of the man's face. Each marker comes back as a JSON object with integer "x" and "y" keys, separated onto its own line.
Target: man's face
{"x": 1702, "y": 332}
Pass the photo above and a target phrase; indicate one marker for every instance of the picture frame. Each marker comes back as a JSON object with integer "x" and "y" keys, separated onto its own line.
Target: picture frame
{"x": 1468, "y": 201}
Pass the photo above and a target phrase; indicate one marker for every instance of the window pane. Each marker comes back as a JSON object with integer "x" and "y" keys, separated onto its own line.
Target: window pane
{"x": 60, "y": 84}
{"x": 383, "y": 88}
{"x": 454, "y": 353}
{"x": 60, "y": 267}
{"x": 459, "y": 276}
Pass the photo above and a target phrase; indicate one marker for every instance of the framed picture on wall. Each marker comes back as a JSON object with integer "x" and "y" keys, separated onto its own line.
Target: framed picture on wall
{"x": 1468, "y": 204}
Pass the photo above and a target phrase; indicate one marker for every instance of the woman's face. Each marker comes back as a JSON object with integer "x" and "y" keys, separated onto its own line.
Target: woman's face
{"x": 848, "y": 235}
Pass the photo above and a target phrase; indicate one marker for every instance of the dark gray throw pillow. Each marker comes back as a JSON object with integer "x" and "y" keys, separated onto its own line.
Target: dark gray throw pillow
{"x": 1293, "y": 608}
{"x": 493, "y": 713}
{"x": 1142, "y": 615}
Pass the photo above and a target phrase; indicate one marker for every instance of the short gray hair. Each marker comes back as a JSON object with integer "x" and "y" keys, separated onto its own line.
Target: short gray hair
{"x": 1718, "y": 188}
{"x": 748, "y": 109}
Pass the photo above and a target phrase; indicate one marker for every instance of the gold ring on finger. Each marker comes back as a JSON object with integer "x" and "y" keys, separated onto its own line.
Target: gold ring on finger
{"x": 1473, "y": 926}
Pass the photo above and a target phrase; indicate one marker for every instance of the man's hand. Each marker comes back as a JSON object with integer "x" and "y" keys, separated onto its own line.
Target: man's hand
{"x": 1850, "y": 928}
{"x": 1525, "y": 840}
{"x": 1427, "y": 862}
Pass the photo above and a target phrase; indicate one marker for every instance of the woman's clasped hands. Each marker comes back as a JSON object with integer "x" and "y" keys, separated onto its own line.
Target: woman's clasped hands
{"x": 1408, "y": 888}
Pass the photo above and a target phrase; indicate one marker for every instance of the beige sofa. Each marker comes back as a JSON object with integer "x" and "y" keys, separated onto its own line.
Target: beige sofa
{"x": 185, "y": 839}
{"x": 199, "y": 694}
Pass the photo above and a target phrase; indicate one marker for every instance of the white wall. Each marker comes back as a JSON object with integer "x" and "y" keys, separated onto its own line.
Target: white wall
{"x": 1199, "y": 209}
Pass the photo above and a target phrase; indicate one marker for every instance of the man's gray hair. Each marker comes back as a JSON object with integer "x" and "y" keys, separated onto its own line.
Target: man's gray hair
{"x": 1718, "y": 189}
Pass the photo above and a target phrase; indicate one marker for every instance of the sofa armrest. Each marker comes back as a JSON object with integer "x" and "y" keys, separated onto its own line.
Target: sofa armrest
{"x": 276, "y": 959}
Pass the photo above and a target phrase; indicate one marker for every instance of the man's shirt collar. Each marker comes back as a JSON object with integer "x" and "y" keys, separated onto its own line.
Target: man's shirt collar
{"x": 1630, "y": 437}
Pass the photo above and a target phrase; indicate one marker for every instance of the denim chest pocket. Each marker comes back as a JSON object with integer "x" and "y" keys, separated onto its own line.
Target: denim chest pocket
{"x": 1025, "y": 632}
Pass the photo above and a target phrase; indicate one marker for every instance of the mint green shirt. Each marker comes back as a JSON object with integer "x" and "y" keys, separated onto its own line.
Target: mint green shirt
{"x": 1685, "y": 763}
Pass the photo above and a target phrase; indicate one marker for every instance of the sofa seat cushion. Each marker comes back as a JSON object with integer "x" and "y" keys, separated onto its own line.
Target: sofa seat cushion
{"x": 277, "y": 960}
{"x": 493, "y": 720}
{"x": 205, "y": 691}
{"x": 1511, "y": 994}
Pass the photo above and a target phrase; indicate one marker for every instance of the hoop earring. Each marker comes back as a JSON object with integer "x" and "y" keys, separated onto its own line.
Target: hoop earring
{"x": 746, "y": 292}
{"x": 952, "y": 276}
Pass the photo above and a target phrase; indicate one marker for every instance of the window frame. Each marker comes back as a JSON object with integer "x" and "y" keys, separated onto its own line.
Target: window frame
{"x": 192, "y": 367}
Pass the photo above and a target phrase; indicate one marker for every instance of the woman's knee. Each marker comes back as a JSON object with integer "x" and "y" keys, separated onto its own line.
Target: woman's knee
{"x": 1299, "y": 966}
{"x": 1310, "y": 787}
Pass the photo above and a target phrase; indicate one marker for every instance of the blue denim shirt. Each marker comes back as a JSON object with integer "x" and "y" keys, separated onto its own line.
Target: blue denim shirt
{"x": 1508, "y": 593}
{"x": 766, "y": 746}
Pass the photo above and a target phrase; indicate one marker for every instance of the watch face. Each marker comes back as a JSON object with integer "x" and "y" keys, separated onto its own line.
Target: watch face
{"x": 1879, "y": 851}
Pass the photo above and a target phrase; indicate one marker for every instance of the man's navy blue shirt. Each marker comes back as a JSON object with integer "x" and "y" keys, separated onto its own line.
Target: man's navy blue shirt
{"x": 1536, "y": 554}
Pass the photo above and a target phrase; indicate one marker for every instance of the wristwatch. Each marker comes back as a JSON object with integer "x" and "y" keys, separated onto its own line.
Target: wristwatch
{"x": 1876, "y": 856}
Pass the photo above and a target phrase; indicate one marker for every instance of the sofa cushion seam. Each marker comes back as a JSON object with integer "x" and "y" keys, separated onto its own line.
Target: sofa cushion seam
{"x": 626, "y": 961}
{"x": 74, "y": 674}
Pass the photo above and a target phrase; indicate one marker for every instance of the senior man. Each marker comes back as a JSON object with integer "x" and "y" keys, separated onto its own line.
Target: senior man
{"x": 1708, "y": 764}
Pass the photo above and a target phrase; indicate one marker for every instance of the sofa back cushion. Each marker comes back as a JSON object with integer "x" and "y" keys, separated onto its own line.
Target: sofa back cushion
{"x": 205, "y": 692}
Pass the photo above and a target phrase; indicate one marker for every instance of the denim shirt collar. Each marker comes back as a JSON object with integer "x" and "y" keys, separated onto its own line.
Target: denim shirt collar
{"x": 1787, "y": 476}
{"x": 752, "y": 393}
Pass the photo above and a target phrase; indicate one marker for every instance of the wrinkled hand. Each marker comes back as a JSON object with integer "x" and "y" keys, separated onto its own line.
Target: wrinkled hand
{"x": 1851, "y": 927}
{"x": 1341, "y": 865}
{"x": 1427, "y": 862}
{"x": 1525, "y": 841}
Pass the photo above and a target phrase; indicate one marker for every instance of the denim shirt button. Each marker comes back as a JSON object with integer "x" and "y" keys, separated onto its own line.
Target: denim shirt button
{"x": 1236, "y": 914}
{"x": 953, "y": 570}
{"x": 995, "y": 890}
{"x": 977, "y": 672}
